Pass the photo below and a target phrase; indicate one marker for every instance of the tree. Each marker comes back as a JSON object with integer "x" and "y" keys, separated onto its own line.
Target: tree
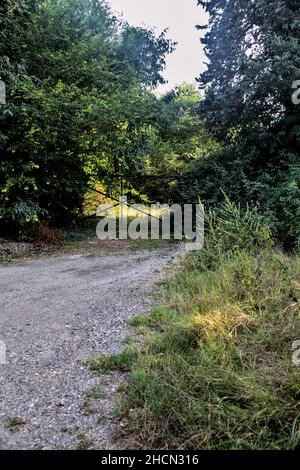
{"x": 253, "y": 50}
{"x": 176, "y": 138}
{"x": 79, "y": 83}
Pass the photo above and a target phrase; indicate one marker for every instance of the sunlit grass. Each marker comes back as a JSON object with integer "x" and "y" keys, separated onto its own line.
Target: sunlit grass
{"x": 215, "y": 371}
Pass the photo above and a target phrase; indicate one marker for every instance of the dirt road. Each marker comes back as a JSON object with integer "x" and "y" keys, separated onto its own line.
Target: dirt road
{"x": 54, "y": 314}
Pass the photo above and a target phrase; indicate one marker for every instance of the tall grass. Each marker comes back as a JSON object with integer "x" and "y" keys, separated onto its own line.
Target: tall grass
{"x": 215, "y": 370}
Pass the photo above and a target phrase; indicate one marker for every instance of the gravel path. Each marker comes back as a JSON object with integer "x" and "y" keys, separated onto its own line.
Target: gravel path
{"x": 55, "y": 313}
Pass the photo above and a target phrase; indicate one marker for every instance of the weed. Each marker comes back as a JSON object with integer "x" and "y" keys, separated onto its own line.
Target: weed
{"x": 117, "y": 362}
{"x": 91, "y": 397}
{"x": 15, "y": 422}
{"x": 84, "y": 442}
{"x": 215, "y": 369}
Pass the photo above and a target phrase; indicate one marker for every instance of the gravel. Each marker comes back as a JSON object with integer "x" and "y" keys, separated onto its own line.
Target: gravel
{"x": 54, "y": 314}
{"x": 11, "y": 251}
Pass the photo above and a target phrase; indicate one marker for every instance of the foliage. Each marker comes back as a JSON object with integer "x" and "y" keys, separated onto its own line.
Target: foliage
{"x": 176, "y": 138}
{"x": 230, "y": 229}
{"x": 254, "y": 56}
{"x": 253, "y": 52}
{"x": 215, "y": 370}
{"x": 44, "y": 235}
{"x": 78, "y": 103}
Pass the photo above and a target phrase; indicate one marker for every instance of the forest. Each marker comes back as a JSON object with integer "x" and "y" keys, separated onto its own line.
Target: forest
{"x": 81, "y": 111}
{"x": 83, "y": 118}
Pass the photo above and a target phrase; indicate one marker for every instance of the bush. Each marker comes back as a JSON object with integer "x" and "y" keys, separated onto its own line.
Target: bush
{"x": 44, "y": 235}
{"x": 230, "y": 229}
{"x": 250, "y": 173}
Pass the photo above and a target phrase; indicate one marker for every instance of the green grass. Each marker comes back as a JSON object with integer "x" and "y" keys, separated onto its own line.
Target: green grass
{"x": 121, "y": 362}
{"x": 92, "y": 397}
{"x": 215, "y": 370}
{"x": 84, "y": 442}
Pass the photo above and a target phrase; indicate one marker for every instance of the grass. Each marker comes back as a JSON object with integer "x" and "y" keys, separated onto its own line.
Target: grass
{"x": 121, "y": 362}
{"x": 15, "y": 422}
{"x": 84, "y": 442}
{"x": 215, "y": 370}
{"x": 92, "y": 397}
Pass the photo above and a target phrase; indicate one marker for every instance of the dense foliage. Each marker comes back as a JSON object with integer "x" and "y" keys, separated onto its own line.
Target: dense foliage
{"x": 254, "y": 57}
{"x": 81, "y": 111}
{"x": 177, "y": 138}
{"x": 78, "y": 103}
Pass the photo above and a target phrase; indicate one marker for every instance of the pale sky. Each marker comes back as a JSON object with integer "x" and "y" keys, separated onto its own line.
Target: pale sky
{"x": 180, "y": 17}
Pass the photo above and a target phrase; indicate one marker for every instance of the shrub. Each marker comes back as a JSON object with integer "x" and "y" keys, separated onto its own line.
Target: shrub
{"x": 250, "y": 172}
{"x": 228, "y": 230}
{"x": 44, "y": 235}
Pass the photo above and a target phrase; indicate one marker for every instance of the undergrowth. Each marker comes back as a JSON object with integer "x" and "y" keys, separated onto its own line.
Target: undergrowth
{"x": 215, "y": 369}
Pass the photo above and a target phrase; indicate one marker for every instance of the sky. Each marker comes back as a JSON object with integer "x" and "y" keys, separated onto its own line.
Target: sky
{"x": 180, "y": 17}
